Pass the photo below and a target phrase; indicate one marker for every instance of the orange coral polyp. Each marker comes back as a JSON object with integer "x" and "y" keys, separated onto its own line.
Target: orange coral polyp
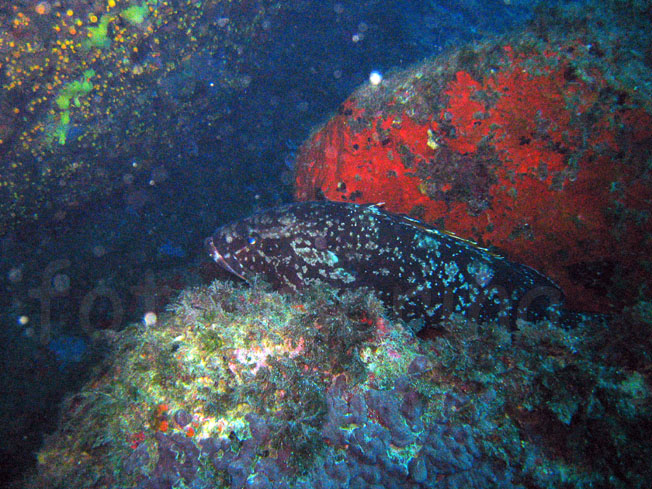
{"x": 43, "y": 8}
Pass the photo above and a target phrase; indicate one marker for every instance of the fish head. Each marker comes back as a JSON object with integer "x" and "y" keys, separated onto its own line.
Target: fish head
{"x": 260, "y": 245}
{"x": 231, "y": 247}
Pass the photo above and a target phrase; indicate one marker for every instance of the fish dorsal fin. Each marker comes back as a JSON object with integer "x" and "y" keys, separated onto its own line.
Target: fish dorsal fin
{"x": 430, "y": 229}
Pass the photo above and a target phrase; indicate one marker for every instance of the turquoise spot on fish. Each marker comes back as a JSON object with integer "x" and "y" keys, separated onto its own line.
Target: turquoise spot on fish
{"x": 420, "y": 273}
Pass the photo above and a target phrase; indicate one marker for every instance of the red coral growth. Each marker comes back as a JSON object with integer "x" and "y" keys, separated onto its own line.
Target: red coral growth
{"x": 363, "y": 166}
{"x": 465, "y": 112}
{"x": 532, "y": 152}
{"x": 136, "y": 439}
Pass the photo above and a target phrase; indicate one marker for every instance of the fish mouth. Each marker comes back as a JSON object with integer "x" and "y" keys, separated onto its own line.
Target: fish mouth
{"x": 220, "y": 260}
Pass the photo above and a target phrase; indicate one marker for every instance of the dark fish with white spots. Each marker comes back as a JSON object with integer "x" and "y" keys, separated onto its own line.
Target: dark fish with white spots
{"x": 417, "y": 271}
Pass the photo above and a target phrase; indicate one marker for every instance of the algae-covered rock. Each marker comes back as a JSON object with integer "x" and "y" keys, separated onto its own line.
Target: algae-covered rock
{"x": 242, "y": 387}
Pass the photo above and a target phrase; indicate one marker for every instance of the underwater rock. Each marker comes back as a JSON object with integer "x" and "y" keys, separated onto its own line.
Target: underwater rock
{"x": 537, "y": 144}
{"x": 336, "y": 405}
{"x": 53, "y": 123}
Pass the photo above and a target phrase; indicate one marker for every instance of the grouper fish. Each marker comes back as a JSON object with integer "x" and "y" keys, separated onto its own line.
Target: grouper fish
{"x": 420, "y": 273}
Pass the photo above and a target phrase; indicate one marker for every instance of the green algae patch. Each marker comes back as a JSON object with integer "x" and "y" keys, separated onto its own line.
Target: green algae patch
{"x": 97, "y": 35}
{"x": 136, "y": 14}
{"x": 70, "y": 97}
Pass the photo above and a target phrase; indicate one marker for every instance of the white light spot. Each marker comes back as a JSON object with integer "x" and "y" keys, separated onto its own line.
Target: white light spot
{"x": 375, "y": 78}
{"x": 149, "y": 319}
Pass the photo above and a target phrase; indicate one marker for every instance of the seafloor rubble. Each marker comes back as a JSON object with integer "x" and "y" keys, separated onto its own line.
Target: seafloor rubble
{"x": 239, "y": 387}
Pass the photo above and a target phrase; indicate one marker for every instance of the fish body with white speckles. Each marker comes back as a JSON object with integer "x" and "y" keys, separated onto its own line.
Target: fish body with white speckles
{"x": 417, "y": 271}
